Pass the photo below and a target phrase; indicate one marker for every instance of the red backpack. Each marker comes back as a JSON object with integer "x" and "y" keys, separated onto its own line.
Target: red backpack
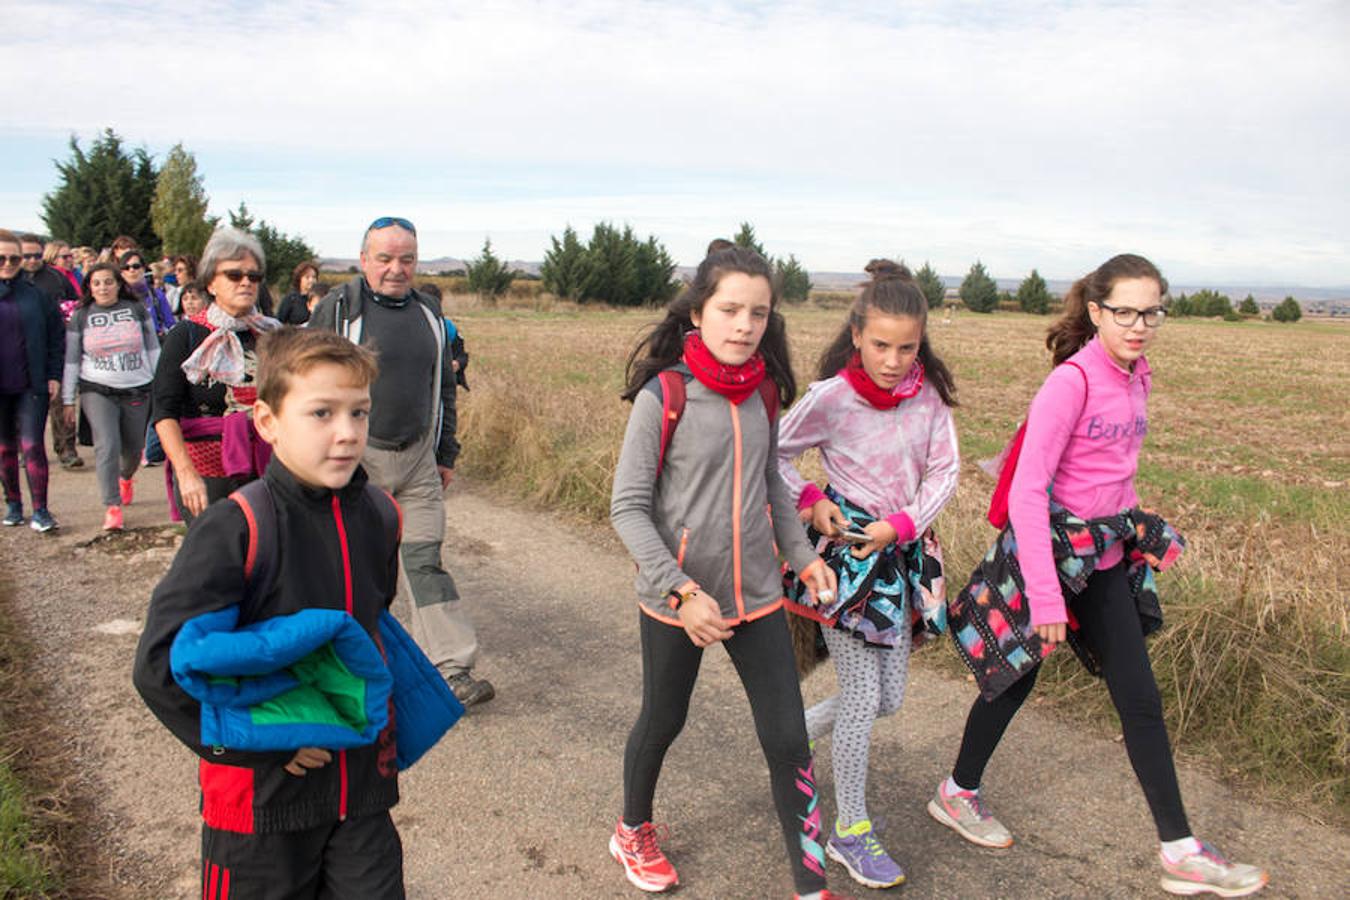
{"x": 998, "y": 503}
{"x": 669, "y": 386}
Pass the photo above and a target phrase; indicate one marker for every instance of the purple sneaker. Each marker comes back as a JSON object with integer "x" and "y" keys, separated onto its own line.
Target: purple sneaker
{"x": 861, "y": 853}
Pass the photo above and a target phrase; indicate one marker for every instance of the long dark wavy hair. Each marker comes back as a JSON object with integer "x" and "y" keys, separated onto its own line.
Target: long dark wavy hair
{"x": 1071, "y": 331}
{"x": 893, "y": 292}
{"x": 663, "y": 345}
{"x": 123, "y": 291}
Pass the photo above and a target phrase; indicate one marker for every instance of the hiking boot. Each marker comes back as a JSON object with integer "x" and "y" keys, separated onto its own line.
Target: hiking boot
{"x": 470, "y": 691}
{"x": 112, "y": 519}
{"x": 1206, "y": 871}
{"x": 643, "y": 862}
{"x": 964, "y": 813}
{"x": 14, "y": 513}
{"x": 859, "y": 851}
{"x": 42, "y": 521}
{"x": 126, "y": 490}
{"x": 71, "y": 461}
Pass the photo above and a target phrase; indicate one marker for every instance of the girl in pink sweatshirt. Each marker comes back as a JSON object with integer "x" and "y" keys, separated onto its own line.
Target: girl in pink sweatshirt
{"x": 1081, "y": 452}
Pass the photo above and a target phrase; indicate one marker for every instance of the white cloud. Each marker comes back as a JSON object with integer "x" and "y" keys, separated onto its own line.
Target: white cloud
{"x": 1210, "y": 133}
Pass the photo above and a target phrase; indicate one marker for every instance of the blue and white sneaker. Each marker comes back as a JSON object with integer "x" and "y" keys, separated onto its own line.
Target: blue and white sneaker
{"x": 14, "y": 514}
{"x": 42, "y": 521}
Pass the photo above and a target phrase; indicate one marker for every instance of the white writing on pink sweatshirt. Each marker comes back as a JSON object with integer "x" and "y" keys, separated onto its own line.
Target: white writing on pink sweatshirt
{"x": 1084, "y": 431}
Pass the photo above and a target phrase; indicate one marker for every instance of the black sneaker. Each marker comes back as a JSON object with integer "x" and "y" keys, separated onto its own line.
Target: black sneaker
{"x": 469, "y": 690}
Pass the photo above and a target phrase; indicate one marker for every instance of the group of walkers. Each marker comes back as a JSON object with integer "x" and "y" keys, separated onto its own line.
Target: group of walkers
{"x": 705, "y": 453}
{"x": 284, "y": 446}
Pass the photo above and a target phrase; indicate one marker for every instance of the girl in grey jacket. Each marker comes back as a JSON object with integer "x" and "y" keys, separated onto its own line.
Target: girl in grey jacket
{"x": 690, "y": 504}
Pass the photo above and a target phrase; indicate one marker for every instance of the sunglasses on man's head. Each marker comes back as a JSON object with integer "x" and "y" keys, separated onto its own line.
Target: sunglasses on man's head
{"x": 386, "y": 221}
{"x": 236, "y": 276}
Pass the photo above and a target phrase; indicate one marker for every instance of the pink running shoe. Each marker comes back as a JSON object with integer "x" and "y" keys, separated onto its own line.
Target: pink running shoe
{"x": 642, "y": 860}
{"x": 112, "y": 519}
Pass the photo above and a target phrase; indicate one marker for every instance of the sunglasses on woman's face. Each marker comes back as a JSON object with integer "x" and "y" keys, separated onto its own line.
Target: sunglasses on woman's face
{"x": 236, "y": 276}
{"x": 129, "y": 267}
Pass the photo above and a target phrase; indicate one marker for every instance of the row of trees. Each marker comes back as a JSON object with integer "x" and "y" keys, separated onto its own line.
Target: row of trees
{"x": 109, "y": 190}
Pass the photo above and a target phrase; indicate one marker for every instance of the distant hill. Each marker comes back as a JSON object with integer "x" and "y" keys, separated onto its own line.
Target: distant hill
{"x": 1335, "y": 301}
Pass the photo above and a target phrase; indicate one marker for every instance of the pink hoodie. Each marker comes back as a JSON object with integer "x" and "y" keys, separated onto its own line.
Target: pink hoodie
{"x": 1081, "y": 449}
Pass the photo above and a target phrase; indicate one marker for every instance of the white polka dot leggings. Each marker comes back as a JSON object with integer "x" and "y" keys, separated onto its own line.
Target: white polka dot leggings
{"x": 871, "y": 685}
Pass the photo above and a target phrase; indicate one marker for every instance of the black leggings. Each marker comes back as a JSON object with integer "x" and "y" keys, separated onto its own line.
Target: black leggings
{"x": 762, "y": 653}
{"x": 1108, "y": 622}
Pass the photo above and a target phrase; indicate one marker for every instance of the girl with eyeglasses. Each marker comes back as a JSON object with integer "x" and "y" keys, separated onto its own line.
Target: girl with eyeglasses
{"x": 1076, "y": 565}
{"x": 134, "y": 271}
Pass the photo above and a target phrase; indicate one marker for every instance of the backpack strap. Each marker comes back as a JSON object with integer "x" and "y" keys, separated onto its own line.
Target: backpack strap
{"x": 260, "y": 511}
{"x": 669, "y": 387}
{"x": 998, "y": 501}
{"x": 255, "y": 500}
{"x": 768, "y": 393}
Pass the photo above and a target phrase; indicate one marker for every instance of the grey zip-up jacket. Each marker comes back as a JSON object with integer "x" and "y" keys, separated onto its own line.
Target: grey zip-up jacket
{"x": 716, "y": 511}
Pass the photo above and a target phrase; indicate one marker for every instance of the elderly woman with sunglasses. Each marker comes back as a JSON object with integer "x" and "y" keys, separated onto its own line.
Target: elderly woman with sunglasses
{"x": 203, "y": 390}
{"x": 134, "y": 270}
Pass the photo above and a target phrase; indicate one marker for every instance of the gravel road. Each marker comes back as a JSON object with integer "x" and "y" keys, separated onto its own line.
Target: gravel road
{"x": 519, "y": 799}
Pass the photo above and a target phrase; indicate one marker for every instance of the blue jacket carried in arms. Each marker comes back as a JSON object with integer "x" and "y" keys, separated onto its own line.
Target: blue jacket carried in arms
{"x": 314, "y": 678}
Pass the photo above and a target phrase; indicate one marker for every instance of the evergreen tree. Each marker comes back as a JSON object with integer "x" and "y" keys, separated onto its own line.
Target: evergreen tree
{"x": 655, "y": 283}
{"x": 1211, "y": 304}
{"x": 103, "y": 193}
{"x": 1288, "y": 310}
{"x": 1249, "y": 307}
{"x": 566, "y": 266}
{"x": 979, "y": 292}
{"x": 178, "y": 212}
{"x": 934, "y": 291}
{"x": 613, "y": 275}
{"x": 1032, "y": 295}
{"x": 1180, "y": 306}
{"x": 794, "y": 284}
{"x": 488, "y": 276}
{"x": 283, "y": 251}
{"x": 746, "y": 238}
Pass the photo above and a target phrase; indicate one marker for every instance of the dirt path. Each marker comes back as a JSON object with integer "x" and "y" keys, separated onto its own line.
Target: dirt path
{"x": 519, "y": 799}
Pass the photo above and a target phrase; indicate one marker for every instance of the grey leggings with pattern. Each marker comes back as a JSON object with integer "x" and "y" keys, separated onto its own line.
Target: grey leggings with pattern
{"x": 871, "y": 685}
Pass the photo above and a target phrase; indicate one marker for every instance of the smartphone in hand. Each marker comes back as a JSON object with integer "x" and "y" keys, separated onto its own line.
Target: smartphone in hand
{"x": 853, "y": 536}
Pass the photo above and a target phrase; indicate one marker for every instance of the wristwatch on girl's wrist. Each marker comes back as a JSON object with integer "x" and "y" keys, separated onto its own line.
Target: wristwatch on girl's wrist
{"x": 678, "y": 598}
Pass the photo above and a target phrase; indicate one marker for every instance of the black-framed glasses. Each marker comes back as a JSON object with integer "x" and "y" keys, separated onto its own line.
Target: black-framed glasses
{"x": 386, "y": 221}
{"x": 133, "y": 266}
{"x": 32, "y": 256}
{"x": 13, "y": 259}
{"x": 1126, "y": 316}
{"x": 236, "y": 276}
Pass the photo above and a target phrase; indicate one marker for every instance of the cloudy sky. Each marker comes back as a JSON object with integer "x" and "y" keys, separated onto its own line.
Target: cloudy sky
{"x": 1211, "y": 136}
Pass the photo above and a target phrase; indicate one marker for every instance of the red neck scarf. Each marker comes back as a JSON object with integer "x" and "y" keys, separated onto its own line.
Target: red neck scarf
{"x": 874, "y": 393}
{"x": 733, "y": 382}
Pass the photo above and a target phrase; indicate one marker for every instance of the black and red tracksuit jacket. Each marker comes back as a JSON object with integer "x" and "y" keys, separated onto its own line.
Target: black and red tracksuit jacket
{"x": 333, "y": 551}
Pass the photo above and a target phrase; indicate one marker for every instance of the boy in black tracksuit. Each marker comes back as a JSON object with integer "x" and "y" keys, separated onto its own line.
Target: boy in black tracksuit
{"x": 309, "y": 823}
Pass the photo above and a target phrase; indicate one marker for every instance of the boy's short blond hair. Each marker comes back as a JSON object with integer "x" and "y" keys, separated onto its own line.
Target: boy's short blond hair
{"x": 290, "y": 351}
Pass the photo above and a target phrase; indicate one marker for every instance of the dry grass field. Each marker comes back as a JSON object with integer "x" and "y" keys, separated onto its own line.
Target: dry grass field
{"x": 1248, "y": 455}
